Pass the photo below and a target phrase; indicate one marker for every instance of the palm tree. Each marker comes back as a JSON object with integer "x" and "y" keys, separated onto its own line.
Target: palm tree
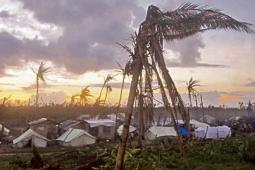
{"x": 84, "y": 95}
{"x": 108, "y": 89}
{"x": 125, "y": 72}
{"x": 5, "y": 99}
{"x": 158, "y": 26}
{"x": 42, "y": 70}
{"x": 106, "y": 81}
{"x": 191, "y": 86}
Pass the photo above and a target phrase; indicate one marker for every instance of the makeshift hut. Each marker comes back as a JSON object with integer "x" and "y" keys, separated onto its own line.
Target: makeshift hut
{"x": 101, "y": 128}
{"x": 67, "y": 124}
{"x": 44, "y": 127}
{"x": 76, "y": 138}
{"x": 30, "y": 138}
{"x": 159, "y": 131}
{"x": 132, "y": 130}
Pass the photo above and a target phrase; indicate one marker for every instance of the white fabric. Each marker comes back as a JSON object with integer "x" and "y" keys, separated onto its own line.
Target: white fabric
{"x": 120, "y": 129}
{"x": 37, "y": 139}
{"x": 100, "y": 122}
{"x": 160, "y": 131}
{"x": 224, "y": 131}
{"x": 6, "y": 131}
{"x": 198, "y": 124}
{"x": 37, "y": 121}
{"x": 212, "y": 133}
{"x": 76, "y": 137}
{"x": 217, "y": 132}
{"x": 200, "y": 132}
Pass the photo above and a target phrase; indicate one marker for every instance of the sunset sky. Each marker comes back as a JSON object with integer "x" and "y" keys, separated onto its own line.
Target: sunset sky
{"x": 77, "y": 40}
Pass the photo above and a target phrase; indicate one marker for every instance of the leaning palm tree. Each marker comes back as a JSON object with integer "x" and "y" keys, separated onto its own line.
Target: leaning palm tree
{"x": 42, "y": 70}
{"x": 106, "y": 81}
{"x": 158, "y": 26}
{"x": 125, "y": 72}
{"x": 191, "y": 86}
{"x": 108, "y": 89}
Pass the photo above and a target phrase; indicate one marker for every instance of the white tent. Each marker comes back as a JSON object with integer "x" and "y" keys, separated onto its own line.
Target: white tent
{"x": 120, "y": 129}
{"x": 30, "y": 135}
{"x": 5, "y": 131}
{"x": 217, "y": 132}
{"x": 76, "y": 138}
{"x": 160, "y": 131}
{"x": 38, "y": 121}
{"x": 100, "y": 122}
{"x": 198, "y": 124}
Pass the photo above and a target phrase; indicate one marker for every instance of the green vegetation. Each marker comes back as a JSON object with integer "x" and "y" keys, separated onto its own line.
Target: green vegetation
{"x": 236, "y": 153}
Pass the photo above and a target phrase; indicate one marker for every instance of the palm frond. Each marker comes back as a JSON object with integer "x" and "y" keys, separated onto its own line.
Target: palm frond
{"x": 189, "y": 19}
{"x": 42, "y": 70}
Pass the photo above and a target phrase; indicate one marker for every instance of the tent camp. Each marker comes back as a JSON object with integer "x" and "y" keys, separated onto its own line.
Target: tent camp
{"x": 159, "y": 131}
{"x": 30, "y": 137}
{"x": 76, "y": 138}
{"x": 131, "y": 129}
{"x": 217, "y": 132}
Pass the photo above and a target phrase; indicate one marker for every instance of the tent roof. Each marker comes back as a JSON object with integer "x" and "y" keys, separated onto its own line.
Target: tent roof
{"x": 71, "y": 134}
{"x": 198, "y": 124}
{"x": 6, "y": 130}
{"x": 41, "y": 120}
{"x": 28, "y": 134}
{"x": 160, "y": 131}
{"x": 69, "y": 123}
{"x": 100, "y": 122}
{"x": 120, "y": 129}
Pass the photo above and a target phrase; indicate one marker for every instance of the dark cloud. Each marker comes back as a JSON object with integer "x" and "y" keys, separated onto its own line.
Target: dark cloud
{"x": 250, "y": 83}
{"x": 91, "y": 30}
{"x": 4, "y": 14}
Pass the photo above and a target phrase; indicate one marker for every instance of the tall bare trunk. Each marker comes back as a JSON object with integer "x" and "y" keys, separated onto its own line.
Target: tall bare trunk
{"x": 100, "y": 94}
{"x": 37, "y": 91}
{"x": 130, "y": 103}
{"x": 119, "y": 102}
{"x": 166, "y": 103}
{"x": 202, "y": 106}
{"x": 106, "y": 94}
{"x": 190, "y": 101}
{"x": 173, "y": 93}
{"x": 140, "y": 112}
{"x": 195, "y": 97}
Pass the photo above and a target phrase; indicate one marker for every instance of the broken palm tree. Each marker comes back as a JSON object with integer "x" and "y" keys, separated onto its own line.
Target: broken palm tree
{"x": 158, "y": 27}
{"x": 108, "y": 88}
{"x": 42, "y": 70}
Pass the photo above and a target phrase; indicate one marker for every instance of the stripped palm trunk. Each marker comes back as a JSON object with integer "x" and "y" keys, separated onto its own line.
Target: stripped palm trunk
{"x": 140, "y": 111}
{"x": 157, "y": 27}
{"x": 37, "y": 91}
{"x": 190, "y": 101}
{"x": 119, "y": 102}
{"x": 131, "y": 98}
